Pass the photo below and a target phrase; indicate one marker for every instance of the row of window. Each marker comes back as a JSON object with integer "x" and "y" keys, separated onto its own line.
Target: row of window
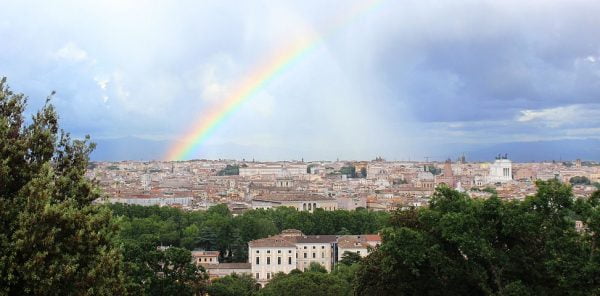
{"x": 269, "y": 251}
{"x": 268, "y": 275}
{"x": 269, "y": 260}
{"x": 289, "y": 251}
{"x": 314, "y": 247}
{"x": 314, "y": 255}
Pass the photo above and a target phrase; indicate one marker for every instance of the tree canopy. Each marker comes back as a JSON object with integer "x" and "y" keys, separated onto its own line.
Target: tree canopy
{"x": 580, "y": 180}
{"x": 464, "y": 246}
{"x": 309, "y": 283}
{"x": 218, "y": 230}
{"x": 53, "y": 240}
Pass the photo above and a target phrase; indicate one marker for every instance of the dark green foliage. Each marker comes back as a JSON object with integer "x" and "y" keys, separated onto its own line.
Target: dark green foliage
{"x": 308, "y": 283}
{"x": 435, "y": 171}
{"x": 349, "y": 171}
{"x": 461, "y": 246}
{"x": 349, "y": 258}
{"x": 580, "y": 180}
{"x": 217, "y": 229}
{"x": 230, "y": 170}
{"x": 175, "y": 274}
{"x": 53, "y": 241}
{"x": 487, "y": 189}
{"x": 316, "y": 267}
{"x": 308, "y": 167}
{"x": 399, "y": 181}
{"x": 233, "y": 285}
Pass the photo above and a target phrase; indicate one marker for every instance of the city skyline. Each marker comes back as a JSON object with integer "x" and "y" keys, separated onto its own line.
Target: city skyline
{"x": 401, "y": 80}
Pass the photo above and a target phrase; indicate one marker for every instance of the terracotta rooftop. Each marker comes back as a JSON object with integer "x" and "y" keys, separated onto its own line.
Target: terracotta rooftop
{"x": 273, "y": 241}
{"x": 315, "y": 239}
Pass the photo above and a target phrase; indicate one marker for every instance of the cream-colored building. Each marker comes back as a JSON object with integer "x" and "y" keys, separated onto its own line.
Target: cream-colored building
{"x": 210, "y": 261}
{"x": 205, "y": 257}
{"x": 360, "y": 244}
{"x": 299, "y": 200}
{"x": 315, "y": 248}
{"x": 293, "y": 250}
{"x": 271, "y": 255}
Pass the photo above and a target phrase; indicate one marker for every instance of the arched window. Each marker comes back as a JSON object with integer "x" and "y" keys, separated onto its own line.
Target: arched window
{"x": 304, "y": 207}
{"x": 315, "y": 206}
{"x": 309, "y": 206}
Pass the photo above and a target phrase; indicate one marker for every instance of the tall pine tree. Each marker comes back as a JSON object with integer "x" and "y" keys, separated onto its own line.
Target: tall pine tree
{"x": 53, "y": 239}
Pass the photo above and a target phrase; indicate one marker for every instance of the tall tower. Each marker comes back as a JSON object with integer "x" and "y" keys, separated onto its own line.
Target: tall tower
{"x": 448, "y": 168}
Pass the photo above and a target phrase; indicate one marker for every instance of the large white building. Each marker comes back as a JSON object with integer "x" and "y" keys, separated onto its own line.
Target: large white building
{"x": 293, "y": 250}
{"x": 500, "y": 170}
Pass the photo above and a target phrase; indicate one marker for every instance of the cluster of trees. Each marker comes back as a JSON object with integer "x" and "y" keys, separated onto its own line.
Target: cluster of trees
{"x": 217, "y": 229}
{"x": 460, "y": 246}
{"x": 435, "y": 171}
{"x": 351, "y": 172}
{"x": 487, "y": 189}
{"x": 580, "y": 180}
{"x": 229, "y": 170}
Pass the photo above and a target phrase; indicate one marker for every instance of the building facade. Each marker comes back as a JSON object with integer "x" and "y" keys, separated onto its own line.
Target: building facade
{"x": 293, "y": 250}
{"x": 500, "y": 170}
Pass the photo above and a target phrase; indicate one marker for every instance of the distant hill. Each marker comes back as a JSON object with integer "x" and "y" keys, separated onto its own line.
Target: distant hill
{"x": 131, "y": 148}
{"x": 588, "y": 149}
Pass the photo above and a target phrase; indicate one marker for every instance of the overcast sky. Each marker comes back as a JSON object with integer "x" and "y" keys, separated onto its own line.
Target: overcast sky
{"x": 398, "y": 79}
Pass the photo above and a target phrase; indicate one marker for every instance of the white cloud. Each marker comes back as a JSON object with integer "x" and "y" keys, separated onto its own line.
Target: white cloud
{"x": 215, "y": 78}
{"x": 71, "y": 52}
{"x": 102, "y": 82}
{"x": 560, "y": 116}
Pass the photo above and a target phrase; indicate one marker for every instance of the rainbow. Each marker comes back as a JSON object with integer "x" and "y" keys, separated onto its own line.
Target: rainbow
{"x": 256, "y": 81}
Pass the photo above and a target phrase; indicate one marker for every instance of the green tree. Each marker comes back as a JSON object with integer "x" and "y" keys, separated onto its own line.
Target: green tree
{"x": 349, "y": 258}
{"x": 230, "y": 170}
{"x": 53, "y": 240}
{"x": 580, "y": 180}
{"x": 191, "y": 234}
{"x": 175, "y": 274}
{"x": 461, "y": 246}
{"x": 233, "y": 285}
{"x": 306, "y": 283}
{"x": 349, "y": 171}
{"x": 316, "y": 267}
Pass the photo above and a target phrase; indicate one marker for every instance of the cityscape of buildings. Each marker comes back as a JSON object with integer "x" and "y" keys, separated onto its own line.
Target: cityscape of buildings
{"x": 376, "y": 185}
